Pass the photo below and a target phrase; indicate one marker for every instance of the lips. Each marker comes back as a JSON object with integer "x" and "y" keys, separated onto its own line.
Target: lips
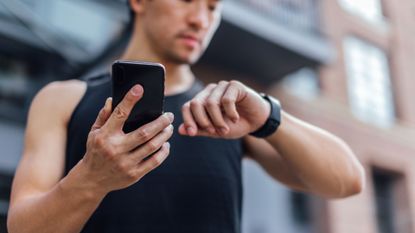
{"x": 190, "y": 40}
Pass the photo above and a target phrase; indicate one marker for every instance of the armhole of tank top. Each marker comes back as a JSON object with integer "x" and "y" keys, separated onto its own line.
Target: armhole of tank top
{"x": 76, "y": 109}
{"x": 90, "y": 83}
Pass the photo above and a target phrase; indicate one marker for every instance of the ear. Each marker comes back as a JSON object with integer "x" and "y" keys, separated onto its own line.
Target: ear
{"x": 137, "y": 6}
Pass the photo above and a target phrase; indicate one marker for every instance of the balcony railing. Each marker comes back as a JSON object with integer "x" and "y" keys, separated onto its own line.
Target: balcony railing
{"x": 47, "y": 24}
{"x": 299, "y": 15}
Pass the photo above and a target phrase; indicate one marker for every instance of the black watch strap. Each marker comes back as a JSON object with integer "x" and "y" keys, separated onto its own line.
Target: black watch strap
{"x": 273, "y": 121}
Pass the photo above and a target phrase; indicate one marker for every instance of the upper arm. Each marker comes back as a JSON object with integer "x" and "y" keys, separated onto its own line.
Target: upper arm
{"x": 43, "y": 160}
{"x": 272, "y": 162}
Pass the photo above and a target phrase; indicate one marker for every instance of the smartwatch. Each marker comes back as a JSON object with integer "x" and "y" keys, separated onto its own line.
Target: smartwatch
{"x": 273, "y": 121}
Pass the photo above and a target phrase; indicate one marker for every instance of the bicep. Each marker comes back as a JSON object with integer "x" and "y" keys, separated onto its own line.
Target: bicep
{"x": 43, "y": 159}
{"x": 272, "y": 162}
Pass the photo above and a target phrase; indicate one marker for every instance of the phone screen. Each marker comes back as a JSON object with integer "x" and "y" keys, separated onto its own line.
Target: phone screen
{"x": 126, "y": 74}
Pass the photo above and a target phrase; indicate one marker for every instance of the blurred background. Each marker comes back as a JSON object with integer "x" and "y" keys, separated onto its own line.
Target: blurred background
{"x": 345, "y": 65}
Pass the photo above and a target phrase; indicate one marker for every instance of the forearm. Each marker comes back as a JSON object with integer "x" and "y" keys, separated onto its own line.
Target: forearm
{"x": 65, "y": 208}
{"x": 323, "y": 162}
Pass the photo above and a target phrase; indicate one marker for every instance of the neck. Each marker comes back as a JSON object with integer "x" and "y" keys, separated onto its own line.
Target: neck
{"x": 179, "y": 77}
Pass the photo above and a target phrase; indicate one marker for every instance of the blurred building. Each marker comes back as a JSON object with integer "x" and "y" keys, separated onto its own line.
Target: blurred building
{"x": 42, "y": 41}
{"x": 366, "y": 96}
{"x": 344, "y": 65}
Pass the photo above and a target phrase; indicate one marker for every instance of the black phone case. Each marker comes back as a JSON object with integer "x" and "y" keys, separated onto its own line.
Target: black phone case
{"x": 126, "y": 74}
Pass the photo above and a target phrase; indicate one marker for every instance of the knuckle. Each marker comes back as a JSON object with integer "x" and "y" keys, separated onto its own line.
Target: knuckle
{"x": 152, "y": 146}
{"x": 195, "y": 103}
{"x": 170, "y": 129}
{"x": 165, "y": 120}
{"x": 234, "y": 83}
{"x": 227, "y": 100}
{"x": 167, "y": 132}
{"x": 223, "y": 82}
{"x": 211, "y": 85}
{"x": 205, "y": 123}
{"x": 120, "y": 113}
{"x": 185, "y": 106}
{"x": 129, "y": 98}
{"x": 211, "y": 103}
{"x": 143, "y": 134}
{"x": 158, "y": 160}
{"x": 98, "y": 139}
{"x": 108, "y": 153}
{"x": 132, "y": 175}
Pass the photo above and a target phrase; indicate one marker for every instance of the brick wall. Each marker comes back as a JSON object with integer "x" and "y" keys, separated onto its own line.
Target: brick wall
{"x": 392, "y": 150}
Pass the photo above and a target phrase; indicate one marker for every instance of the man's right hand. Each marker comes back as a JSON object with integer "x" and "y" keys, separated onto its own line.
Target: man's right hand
{"x": 115, "y": 160}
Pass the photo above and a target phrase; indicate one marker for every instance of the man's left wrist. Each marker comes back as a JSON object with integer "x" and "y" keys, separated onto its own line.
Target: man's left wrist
{"x": 273, "y": 119}
{"x": 266, "y": 110}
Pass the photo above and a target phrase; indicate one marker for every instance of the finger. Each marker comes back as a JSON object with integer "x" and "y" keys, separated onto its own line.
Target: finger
{"x": 229, "y": 102}
{"x": 103, "y": 115}
{"x": 122, "y": 110}
{"x": 213, "y": 107}
{"x": 198, "y": 110}
{"x": 147, "y": 131}
{"x": 183, "y": 131}
{"x": 189, "y": 124}
{"x": 154, "y": 161}
{"x": 152, "y": 146}
{"x": 205, "y": 133}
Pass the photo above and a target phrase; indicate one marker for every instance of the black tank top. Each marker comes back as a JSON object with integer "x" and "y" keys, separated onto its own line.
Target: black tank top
{"x": 196, "y": 190}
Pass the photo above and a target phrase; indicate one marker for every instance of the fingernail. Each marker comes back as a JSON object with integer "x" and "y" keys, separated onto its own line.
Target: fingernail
{"x": 136, "y": 90}
{"x": 168, "y": 145}
{"x": 109, "y": 106}
{"x": 170, "y": 116}
{"x": 107, "y": 101}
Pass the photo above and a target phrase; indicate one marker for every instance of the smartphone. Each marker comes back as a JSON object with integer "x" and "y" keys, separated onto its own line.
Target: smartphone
{"x": 126, "y": 74}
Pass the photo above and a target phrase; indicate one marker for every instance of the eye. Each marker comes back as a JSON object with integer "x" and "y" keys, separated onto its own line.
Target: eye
{"x": 212, "y": 7}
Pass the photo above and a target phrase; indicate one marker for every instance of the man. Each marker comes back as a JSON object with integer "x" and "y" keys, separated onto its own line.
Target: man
{"x": 81, "y": 172}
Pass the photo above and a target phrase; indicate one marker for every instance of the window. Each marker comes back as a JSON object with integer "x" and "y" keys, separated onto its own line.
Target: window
{"x": 303, "y": 84}
{"x": 392, "y": 202}
{"x": 5, "y": 184}
{"x": 384, "y": 202}
{"x": 369, "y": 85}
{"x": 298, "y": 14}
{"x": 368, "y": 9}
{"x": 301, "y": 209}
{"x": 3, "y": 218}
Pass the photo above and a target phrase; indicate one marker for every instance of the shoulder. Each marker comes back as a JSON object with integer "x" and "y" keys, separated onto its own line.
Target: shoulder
{"x": 58, "y": 98}
{"x": 62, "y": 88}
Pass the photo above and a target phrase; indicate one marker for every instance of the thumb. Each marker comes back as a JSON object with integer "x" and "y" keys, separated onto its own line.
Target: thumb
{"x": 103, "y": 115}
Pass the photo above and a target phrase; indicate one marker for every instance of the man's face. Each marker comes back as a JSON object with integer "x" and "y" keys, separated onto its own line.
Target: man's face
{"x": 180, "y": 30}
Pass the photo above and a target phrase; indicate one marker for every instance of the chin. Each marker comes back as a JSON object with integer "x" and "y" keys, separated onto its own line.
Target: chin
{"x": 185, "y": 58}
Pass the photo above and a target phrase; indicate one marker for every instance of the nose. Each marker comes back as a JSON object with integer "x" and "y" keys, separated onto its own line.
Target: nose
{"x": 199, "y": 16}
